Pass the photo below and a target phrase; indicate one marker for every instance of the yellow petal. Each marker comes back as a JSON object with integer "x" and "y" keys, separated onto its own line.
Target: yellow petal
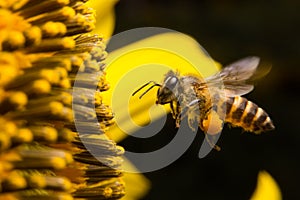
{"x": 105, "y": 16}
{"x": 149, "y": 59}
{"x": 137, "y": 185}
{"x": 266, "y": 188}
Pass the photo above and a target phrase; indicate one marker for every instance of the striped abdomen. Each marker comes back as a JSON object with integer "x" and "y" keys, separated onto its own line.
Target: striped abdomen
{"x": 246, "y": 114}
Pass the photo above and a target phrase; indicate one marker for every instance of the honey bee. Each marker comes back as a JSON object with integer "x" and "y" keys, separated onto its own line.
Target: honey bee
{"x": 201, "y": 100}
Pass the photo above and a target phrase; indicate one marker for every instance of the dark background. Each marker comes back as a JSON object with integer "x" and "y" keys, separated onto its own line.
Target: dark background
{"x": 230, "y": 30}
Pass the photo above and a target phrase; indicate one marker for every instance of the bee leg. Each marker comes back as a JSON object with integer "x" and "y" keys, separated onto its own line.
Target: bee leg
{"x": 175, "y": 109}
{"x": 194, "y": 119}
{"x": 212, "y": 143}
{"x": 177, "y": 122}
{"x": 193, "y": 123}
{"x": 192, "y": 114}
{"x": 211, "y": 122}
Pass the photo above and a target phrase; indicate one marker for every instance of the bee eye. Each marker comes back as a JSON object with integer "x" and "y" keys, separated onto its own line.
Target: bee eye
{"x": 171, "y": 82}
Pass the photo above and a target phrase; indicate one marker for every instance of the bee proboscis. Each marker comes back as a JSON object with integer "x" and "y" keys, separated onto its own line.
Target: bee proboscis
{"x": 184, "y": 93}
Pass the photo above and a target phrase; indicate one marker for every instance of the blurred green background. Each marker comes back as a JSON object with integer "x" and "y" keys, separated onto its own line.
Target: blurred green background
{"x": 230, "y": 30}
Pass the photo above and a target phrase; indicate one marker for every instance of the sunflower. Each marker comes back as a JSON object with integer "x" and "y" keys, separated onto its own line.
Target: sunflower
{"x": 43, "y": 46}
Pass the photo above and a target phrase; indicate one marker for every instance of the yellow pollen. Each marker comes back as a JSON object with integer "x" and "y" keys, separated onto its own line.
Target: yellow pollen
{"x": 23, "y": 135}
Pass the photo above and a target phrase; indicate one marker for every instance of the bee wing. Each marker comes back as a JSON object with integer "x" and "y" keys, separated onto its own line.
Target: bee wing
{"x": 240, "y": 70}
{"x": 238, "y": 89}
{"x": 234, "y": 76}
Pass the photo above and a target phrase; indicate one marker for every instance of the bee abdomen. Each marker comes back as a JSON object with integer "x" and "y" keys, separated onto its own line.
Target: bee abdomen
{"x": 246, "y": 114}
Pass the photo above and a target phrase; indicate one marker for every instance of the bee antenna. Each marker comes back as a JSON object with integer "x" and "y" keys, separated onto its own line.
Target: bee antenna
{"x": 155, "y": 84}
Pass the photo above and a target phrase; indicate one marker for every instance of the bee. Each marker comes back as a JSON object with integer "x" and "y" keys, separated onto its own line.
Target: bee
{"x": 201, "y": 100}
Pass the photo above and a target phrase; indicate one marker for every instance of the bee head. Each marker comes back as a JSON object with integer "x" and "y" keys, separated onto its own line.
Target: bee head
{"x": 165, "y": 94}
{"x": 167, "y": 91}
